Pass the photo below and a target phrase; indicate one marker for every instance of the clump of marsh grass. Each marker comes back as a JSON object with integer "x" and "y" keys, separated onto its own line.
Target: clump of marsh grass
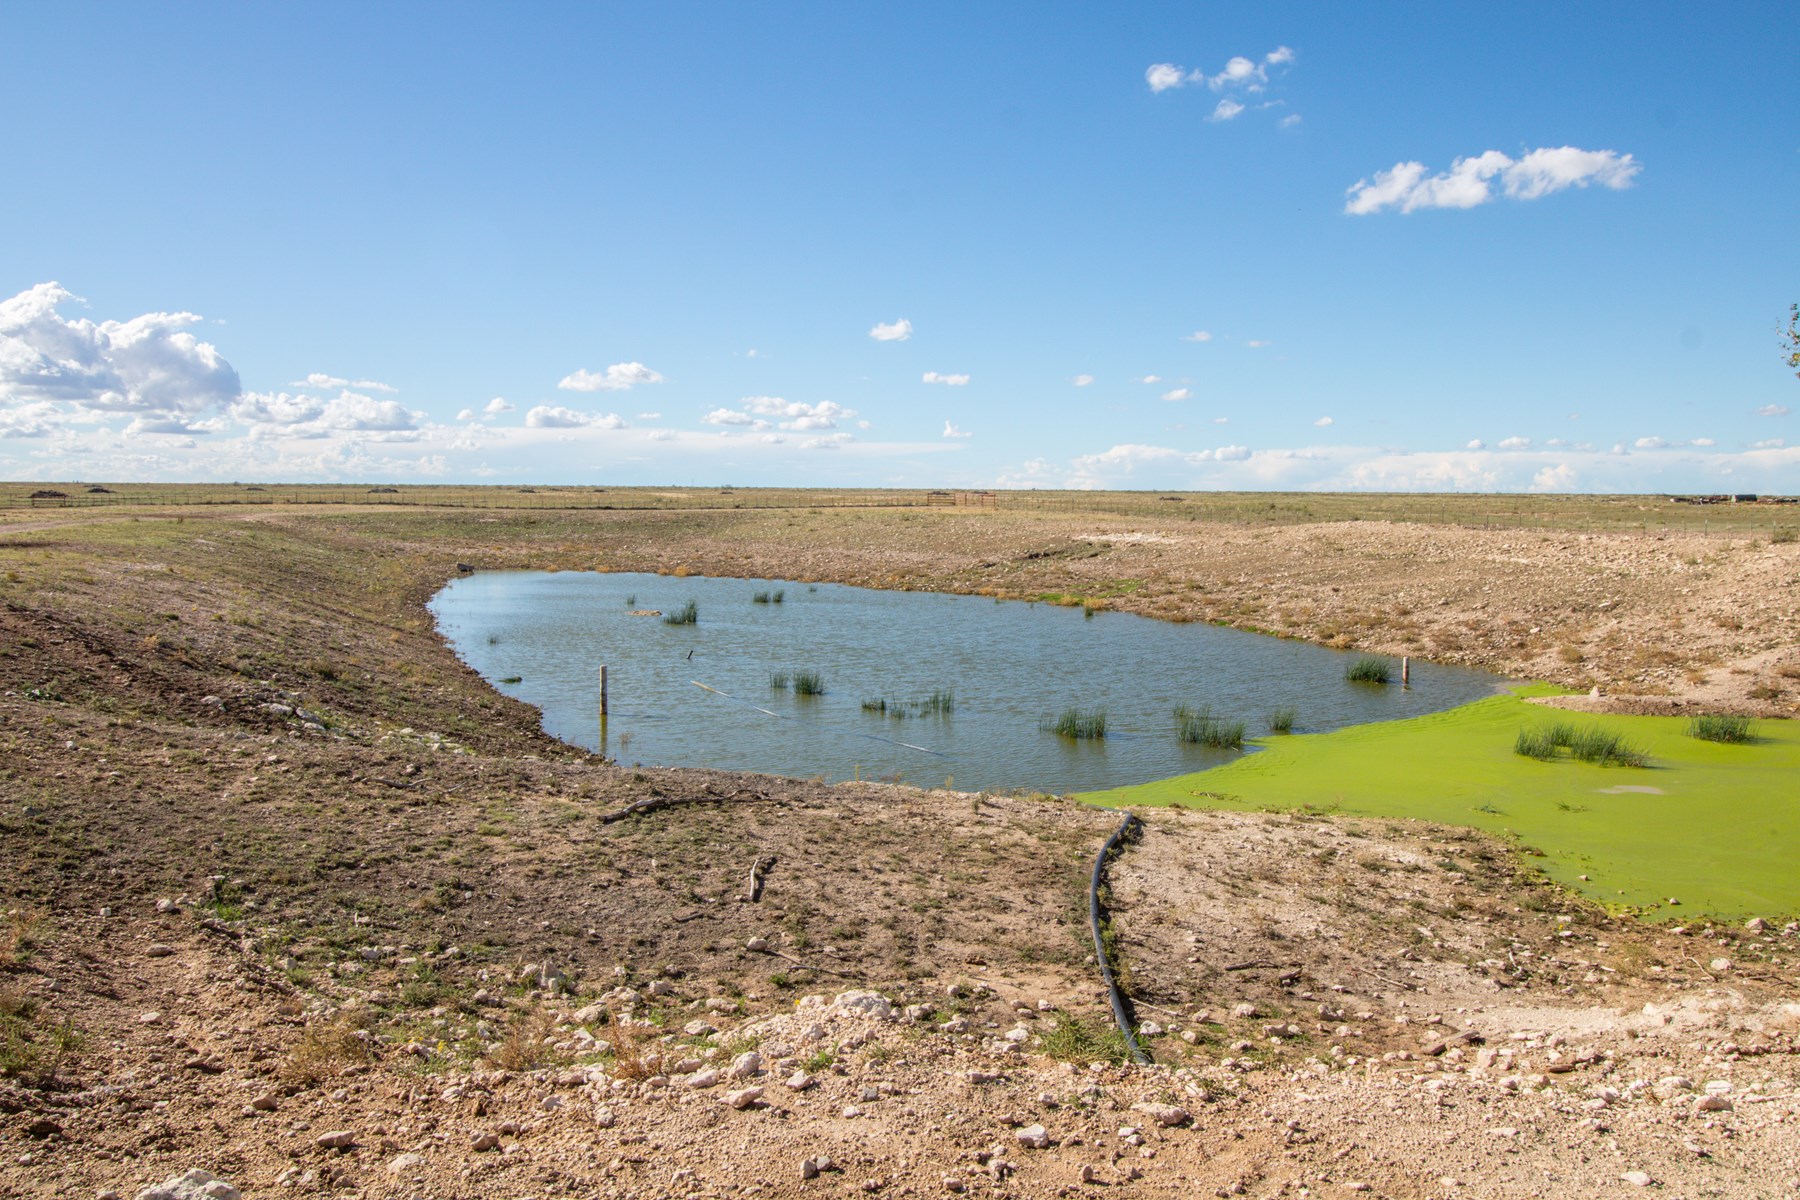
{"x": 774, "y": 597}
{"x": 1199, "y": 727}
{"x": 1283, "y": 718}
{"x": 809, "y": 683}
{"x": 688, "y": 614}
{"x": 1719, "y": 727}
{"x": 1585, "y": 743}
{"x": 781, "y": 681}
{"x": 1077, "y": 724}
{"x": 1369, "y": 668}
{"x": 940, "y": 703}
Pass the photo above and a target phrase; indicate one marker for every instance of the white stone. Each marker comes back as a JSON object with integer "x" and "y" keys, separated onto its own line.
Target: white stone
{"x": 1033, "y": 1137}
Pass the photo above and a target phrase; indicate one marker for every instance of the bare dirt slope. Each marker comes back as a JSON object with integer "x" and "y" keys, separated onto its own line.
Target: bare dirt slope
{"x": 291, "y": 896}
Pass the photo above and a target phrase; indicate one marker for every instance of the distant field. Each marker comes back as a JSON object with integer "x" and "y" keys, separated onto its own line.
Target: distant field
{"x": 1641, "y": 513}
{"x": 1720, "y": 832}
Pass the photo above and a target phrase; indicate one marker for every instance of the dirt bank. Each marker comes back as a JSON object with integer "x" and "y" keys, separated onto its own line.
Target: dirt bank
{"x": 293, "y": 897}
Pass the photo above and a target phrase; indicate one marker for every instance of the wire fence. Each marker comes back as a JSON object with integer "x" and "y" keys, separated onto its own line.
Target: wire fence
{"x": 1776, "y": 516}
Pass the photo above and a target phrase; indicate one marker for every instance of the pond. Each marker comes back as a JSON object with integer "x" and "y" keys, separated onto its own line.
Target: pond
{"x": 702, "y": 694}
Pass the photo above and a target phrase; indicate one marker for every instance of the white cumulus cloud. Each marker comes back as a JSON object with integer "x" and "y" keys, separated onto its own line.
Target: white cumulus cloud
{"x": 898, "y": 331}
{"x": 1470, "y": 181}
{"x": 951, "y": 431}
{"x": 1322, "y": 422}
{"x": 1199, "y": 335}
{"x": 550, "y": 416}
{"x": 616, "y": 378}
{"x": 946, "y": 380}
{"x": 1772, "y": 410}
{"x": 149, "y": 366}
{"x": 1515, "y": 443}
{"x": 1225, "y": 109}
{"x": 1082, "y": 380}
{"x": 1178, "y": 394}
{"x": 496, "y": 406}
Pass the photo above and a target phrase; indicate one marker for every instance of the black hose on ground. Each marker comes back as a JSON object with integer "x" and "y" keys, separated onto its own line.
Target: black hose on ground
{"x": 1121, "y": 1005}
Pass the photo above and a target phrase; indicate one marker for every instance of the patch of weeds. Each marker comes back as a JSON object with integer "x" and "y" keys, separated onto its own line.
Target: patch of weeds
{"x": 1071, "y": 1039}
{"x": 30, "y": 1049}
{"x": 513, "y": 679}
{"x": 687, "y": 614}
{"x": 1369, "y": 669}
{"x": 528, "y": 1043}
{"x": 324, "y": 1050}
{"x": 1585, "y": 743}
{"x": 1198, "y": 726}
{"x": 809, "y": 683}
{"x": 820, "y": 1059}
{"x": 774, "y": 597}
{"x": 1282, "y": 720}
{"x": 225, "y": 899}
{"x": 1718, "y": 727}
{"x": 1077, "y": 724}
{"x": 24, "y": 931}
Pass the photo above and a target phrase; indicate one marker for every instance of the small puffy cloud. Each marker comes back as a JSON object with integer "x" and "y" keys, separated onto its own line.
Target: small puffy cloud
{"x": 1150, "y": 379}
{"x": 1773, "y": 410}
{"x": 1652, "y": 443}
{"x": 1163, "y": 76}
{"x": 548, "y": 416}
{"x": 830, "y": 441}
{"x": 762, "y": 412}
{"x": 1199, "y": 335}
{"x": 1256, "y": 343}
{"x": 318, "y": 379}
{"x": 951, "y": 431}
{"x": 1704, "y": 442}
{"x": 1515, "y": 443}
{"x": 1475, "y": 444}
{"x": 1558, "y": 478}
{"x": 616, "y": 378}
{"x": 649, "y": 416}
{"x": 1082, "y": 380}
{"x": 1289, "y": 121}
{"x": 897, "y": 331}
{"x": 1239, "y": 73}
{"x": 496, "y": 406}
{"x": 276, "y": 409}
{"x": 1178, "y": 394}
{"x": 372, "y": 385}
{"x": 1221, "y": 420}
{"x": 946, "y": 380}
{"x": 662, "y": 435}
{"x": 1322, "y": 422}
{"x": 354, "y": 411}
{"x": 1225, "y": 109}
{"x": 467, "y": 414}
{"x": 1470, "y": 181}
{"x": 1769, "y": 444}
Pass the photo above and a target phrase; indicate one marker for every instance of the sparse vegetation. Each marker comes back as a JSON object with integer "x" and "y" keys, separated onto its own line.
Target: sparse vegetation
{"x": 1585, "y": 743}
{"x": 1077, "y": 724}
{"x": 1199, "y": 727}
{"x": 687, "y": 614}
{"x": 1072, "y": 1039}
{"x": 940, "y": 703}
{"x": 1369, "y": 668}
{"x": 1283, "y": 719}
{"x": 774, "y": 597}
{"x": 1720, "y": 727}
{"x": 324, "y": 1050}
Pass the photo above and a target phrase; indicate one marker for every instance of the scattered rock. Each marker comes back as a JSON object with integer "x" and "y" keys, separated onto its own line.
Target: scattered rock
{"x": 744, "y": 1097}
{"x": 337, "y": 1139}
{"x": 1166, "y": 1115}
{"x": 403, "y": 1163}
{"x": 747, "y": 1065}
{"x": 704, "y": 1079}
{"x": 1637, "y": 1178}
{"x": 159, "y": 950}
{"x": 1033, "y": 1137}
{"x": 484, "y": 1141}
{"x": 193, "y": 1184}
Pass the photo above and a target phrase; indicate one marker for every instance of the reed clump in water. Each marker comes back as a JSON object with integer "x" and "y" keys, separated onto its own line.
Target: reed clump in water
{"x": 1077, "y": 724}
{"x": 687, "y": 614}
{"x": 1369, "y": 668}
{"x": 1197, "y": 726}
{"x": 1585, "y": 743}
{"x": 940, "y": 703}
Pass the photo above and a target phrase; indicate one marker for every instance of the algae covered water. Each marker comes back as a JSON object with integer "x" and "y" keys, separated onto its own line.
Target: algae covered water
{"x": 711, "y": 693}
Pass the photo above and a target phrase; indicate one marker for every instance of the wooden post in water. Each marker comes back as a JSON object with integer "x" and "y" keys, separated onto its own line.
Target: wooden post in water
{"x": 603, "y": 691}
{"x": 1405, "y": 679}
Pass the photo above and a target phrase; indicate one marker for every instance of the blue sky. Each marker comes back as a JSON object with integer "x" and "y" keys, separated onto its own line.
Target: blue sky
{"x": 1169, "y": 246}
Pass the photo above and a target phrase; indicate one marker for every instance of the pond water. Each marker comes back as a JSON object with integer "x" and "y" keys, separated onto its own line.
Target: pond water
{"x": 542, "y": 636}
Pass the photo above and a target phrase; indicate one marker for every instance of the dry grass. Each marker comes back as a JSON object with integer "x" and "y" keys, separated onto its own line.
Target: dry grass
{"x": 638, "y": 1051}
{"x": 529, "y": 1043}
{"x": 324, "y": 1050}
{"x": 23, "y": 931}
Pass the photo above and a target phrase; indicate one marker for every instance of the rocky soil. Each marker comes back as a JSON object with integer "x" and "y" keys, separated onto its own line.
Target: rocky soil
{"x": 292, "y": 899}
